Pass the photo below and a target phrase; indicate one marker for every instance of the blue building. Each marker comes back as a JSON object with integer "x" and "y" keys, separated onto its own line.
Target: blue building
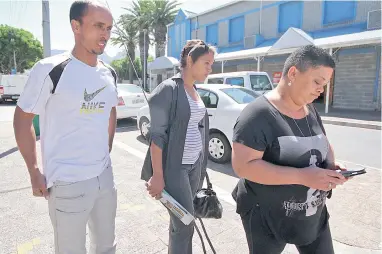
{"x": 247, "y": 35}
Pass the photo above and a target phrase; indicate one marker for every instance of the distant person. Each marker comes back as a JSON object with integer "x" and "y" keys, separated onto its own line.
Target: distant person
{"x": 75, "y": 96}
{"x": 179, "y": 139}
{"x": 285, "y": 161}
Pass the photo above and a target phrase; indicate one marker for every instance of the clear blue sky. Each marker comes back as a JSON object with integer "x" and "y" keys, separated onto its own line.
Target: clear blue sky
{"x": 27, "y": 14}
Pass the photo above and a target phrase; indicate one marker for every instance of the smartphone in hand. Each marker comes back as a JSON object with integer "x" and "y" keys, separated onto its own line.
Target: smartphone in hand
{"x": 350, "y": 172}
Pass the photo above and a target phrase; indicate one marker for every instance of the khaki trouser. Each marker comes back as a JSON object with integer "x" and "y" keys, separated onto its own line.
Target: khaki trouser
{"x": 74, "y": 205}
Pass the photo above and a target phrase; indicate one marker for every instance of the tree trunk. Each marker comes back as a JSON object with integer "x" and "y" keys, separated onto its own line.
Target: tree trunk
{"x": 131, "y": 63}
{"x": 141, "y": 53}
{"x": 160, "y": 45}
{"x": 147, "y": 55}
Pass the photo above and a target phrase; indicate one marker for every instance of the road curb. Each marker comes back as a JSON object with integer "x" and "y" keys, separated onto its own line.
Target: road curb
{"x": 364, "y": 125}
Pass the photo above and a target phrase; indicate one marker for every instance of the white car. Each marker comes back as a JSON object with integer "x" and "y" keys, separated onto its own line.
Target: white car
{"x": 224, "y": 104}
{"x": 130, "y": 99}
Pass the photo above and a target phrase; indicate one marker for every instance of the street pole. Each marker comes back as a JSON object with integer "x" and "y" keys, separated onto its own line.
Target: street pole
{"x": 46, "y": 28}
{"x": 328, "y": 90}
{"x": 14, "y": 60}
{"x": 144, "y": 58}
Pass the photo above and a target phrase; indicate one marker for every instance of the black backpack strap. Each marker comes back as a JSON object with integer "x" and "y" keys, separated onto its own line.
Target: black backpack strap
{"x": 112, "y": 72}
{"x": 56, "y": 72}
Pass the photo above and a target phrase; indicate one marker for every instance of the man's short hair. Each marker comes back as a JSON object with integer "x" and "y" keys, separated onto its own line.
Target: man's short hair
{"x": 308, "y": 57}
{"x": 78, "y": 9}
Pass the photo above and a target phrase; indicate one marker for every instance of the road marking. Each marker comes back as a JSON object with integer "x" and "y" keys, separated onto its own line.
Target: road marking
{"x": 221, "y": 193}
{"x": 28, "y": 246}
{"x": 361, "y": 165}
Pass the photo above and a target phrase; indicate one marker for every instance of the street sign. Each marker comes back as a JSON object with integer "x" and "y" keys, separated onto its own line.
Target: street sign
{"x": 276, "y": 77}
{"x": 13, "y": 71}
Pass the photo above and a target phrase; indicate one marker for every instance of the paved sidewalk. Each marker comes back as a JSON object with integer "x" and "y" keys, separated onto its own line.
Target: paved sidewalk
{"x": 142, "y": 223}
{"x": 352, "y": 118}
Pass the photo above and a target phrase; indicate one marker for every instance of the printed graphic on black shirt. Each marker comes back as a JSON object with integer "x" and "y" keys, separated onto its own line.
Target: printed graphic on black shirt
{"x": 293, "y": 149}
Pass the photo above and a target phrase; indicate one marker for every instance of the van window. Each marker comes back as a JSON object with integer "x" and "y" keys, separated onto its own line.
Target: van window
{"x": 215, "y": 81}
{"x": 239, "y": 81}
{"x": 260, "y": 83}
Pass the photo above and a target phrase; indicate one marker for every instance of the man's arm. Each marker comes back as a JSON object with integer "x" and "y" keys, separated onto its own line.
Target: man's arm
{"x": 26, "y": 138}
{"x": 112, "y": 126}
{"x": 26, "y": 142}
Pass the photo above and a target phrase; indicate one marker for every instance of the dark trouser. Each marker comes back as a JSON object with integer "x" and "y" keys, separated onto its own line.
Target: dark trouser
{"x": 182, "y": 187}
{"x": 261, "y": 241}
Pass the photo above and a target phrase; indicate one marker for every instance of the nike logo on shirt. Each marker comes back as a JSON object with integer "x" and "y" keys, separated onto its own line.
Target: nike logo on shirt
{"x": 89, "y": 97}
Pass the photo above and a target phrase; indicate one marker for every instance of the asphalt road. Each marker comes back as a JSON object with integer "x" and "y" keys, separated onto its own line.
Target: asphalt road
{"x": 356, "y": 145}
{"x": 6, "y": 111}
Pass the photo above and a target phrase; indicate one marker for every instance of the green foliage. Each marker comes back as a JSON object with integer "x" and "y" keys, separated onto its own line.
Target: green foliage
{"x": 28, "y": 50}
{"x": 122, "y": 67}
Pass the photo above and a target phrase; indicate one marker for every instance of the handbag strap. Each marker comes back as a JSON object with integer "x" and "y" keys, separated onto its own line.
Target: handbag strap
{"x": 209, "y": 184}
{"x": 207, "y": 237}
{"x": 201, "y": 238}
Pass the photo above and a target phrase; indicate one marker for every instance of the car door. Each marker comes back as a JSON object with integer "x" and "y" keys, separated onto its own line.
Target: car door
{"x": 211, "y": 101}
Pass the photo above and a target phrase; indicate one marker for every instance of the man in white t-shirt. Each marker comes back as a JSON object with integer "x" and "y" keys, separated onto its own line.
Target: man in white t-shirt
{"x": 75, "y": 96}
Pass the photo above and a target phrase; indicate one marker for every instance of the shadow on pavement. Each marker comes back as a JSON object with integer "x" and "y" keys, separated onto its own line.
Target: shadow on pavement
{"x": 126, "y": 125}
{"x": 141, "y": 139}
{"x": 8, "y": 152}
{"x": 13, "y": 150}
{"x": 222, "y": 168}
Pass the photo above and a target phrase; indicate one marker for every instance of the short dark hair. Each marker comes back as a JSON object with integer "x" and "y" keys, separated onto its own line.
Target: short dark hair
{"x": 196, "y": 49}
{"x": 308, "y": 57}
{"x": 79, "y": 9}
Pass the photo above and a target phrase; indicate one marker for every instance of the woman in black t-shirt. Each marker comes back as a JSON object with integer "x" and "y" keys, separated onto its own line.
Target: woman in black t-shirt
{"x": 286, "y": 163}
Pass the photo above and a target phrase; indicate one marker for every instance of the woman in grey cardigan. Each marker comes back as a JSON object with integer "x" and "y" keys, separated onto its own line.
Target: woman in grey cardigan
{"x": 179, "y": 139}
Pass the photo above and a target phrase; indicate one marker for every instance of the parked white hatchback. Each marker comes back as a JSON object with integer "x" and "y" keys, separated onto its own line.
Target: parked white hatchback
{"x": 224, "y": 104}
{"x": 130, "y": 99}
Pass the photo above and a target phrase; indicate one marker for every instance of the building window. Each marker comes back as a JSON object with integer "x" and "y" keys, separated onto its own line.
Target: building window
{"x": 290, "y": 15}
{"x": 177, "y": 37}
{"x": 236, "y": 30}
{"x": 212, "y": 34}
{"x": 338, "y": 11}
{"x": 182, "y": 35}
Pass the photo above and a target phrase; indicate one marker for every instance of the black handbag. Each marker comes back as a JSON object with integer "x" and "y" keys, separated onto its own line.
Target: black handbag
{"x": 206, "y": 203}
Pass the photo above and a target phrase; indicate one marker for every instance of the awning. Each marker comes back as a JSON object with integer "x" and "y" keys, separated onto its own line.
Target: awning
{"x": 162, "y": 63}
{"x": 292, "y": 38}
{"x": 295, "y": 38}
{"x": 349, "y": 40}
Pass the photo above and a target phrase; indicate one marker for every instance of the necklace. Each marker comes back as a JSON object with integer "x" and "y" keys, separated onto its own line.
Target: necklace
{"x": 310, "y": 132}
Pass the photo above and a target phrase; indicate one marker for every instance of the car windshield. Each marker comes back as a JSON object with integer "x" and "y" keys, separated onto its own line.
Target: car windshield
{"x": 129, "y": 88}
{"x": 240, "y": 95}
{"x": 260, "y": 83}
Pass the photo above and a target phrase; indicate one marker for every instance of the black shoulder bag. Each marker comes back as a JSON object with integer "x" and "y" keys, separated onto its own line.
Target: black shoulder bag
{"x": 207, "y": 205}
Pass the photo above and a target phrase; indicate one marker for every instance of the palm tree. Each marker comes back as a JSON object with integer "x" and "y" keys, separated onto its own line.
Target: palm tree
{"x": 127, "y": 38}
{"x": 140, "y": 14}
{"x": 164, "y": 13}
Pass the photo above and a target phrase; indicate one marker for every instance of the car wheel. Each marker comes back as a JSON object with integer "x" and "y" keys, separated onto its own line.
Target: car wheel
{"x": 219, "y": 149}
{"x": 144, "y": 125}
